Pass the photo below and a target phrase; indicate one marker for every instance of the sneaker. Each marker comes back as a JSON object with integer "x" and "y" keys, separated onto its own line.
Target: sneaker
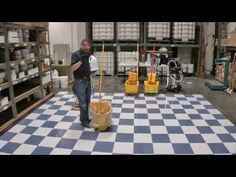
{"x": 75, "y": 107}
{"x": 87, "y": 124}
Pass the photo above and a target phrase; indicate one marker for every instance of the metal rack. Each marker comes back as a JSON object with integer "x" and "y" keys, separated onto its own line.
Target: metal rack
{"x": 128, "y": 45}
{"x": 35, "y": 79}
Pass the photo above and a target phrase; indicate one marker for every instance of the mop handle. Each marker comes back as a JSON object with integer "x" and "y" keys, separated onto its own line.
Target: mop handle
{"x": 137, "y": 59}
{"x": 100, "y": 87}
{"x": 153, "y": 54}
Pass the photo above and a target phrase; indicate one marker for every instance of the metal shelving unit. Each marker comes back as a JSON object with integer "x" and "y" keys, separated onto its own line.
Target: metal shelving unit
{"x": 119, "y": 45}
{"x": 19, "y": 89}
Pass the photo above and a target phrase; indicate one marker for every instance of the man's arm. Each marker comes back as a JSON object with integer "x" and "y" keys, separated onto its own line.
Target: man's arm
{"x": 76, "y": 66}
{"x": 75, "y": 62}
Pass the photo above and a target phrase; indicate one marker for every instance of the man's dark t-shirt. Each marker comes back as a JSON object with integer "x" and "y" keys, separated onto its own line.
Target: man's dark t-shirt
{"x": 84, "y": 69}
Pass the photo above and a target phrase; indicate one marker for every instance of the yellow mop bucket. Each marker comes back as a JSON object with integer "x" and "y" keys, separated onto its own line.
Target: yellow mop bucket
{"x": 131, "y": 88}
{"x": 151, "y": 87}
{"x": 132, "y": 84}
{"x": 101, "y": 112}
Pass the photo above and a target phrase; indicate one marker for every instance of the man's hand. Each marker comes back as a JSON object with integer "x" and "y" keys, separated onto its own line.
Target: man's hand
{"x": 76, "y": 66}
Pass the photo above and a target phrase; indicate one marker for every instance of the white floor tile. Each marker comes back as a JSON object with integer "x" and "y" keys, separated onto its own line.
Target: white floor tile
{"x": 140, "y": 110}
{"x": 163, "y": 148}
{"x": 63, "y": 125}
{"x": 219, "y": 129}
{"x": 106, "y": 136}
{"x": 178, "y": 138}
{"x": 211, "y": 138}
{"x": 190, "y": 130}
{"x": 56, "y": 118}
{"x": 49, "y": 111}
{"x": 50, "y": 142}
{"x": 25, "y": 149}
{"x": 73, "y": 134}
{"x": 33, "y": 116}
{"x": 42, "y": 131}
{"x": 231, "y": 147}
{"x": 200, "y": 148}
{"x": 125, "y": 129}
{"x": 199, "y": 122}
{"x": 126, "y": 116}
{"x": 141, "y": 122}
{"x": 166, "y": 111}
{"x": 154, "y": 116}
{"x": 37, "y": 123}
{"x": 182, "y": 116}
{"x": 158, "y": 129}
{"x": 2, "y": 143}
{"x": 84, "y": 145}
{"x": 123, "y": 148}
{"x": 170, "y": 122}
{"x": 20, "y": 138}
{"x": 142, "y": 138}
{"x": 17, "y": 128}
{"x": 61, "y": 151}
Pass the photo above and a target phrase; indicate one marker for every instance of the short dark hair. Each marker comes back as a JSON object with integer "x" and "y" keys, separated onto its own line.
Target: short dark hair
{"x": 89, "y": 41}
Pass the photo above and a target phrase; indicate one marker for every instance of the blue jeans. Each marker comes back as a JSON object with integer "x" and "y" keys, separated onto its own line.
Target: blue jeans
{"x": 83, "y": 92}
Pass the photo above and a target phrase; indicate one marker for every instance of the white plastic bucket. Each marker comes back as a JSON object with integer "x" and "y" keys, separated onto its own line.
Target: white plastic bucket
{"x": 184, "y": 67}
{"x": 64, "y": 82}
{"x": 56, "y": 82}
{"x": 190, "y": 68}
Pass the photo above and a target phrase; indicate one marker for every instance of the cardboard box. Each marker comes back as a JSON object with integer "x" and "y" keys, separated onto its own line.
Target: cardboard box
{"x": 43, "y": 37}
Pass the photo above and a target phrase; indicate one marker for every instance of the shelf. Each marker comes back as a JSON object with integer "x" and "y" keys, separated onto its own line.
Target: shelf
{"x": 19, "y": 80}
{"x": 172, "y": 45}
{"x": 26, "y": 94}
{"x": 22, "y": 44}
{"x": 149, "y": 51}
{"x": 47, "y": 84}
{"x": 43, "y": 43}
{"x": 4, "y": 86}
{"x": 3, "y": 66}
{"x": 25, "y": 60}
{"x": 11, "y": 122}
{"x": 3, "y": 108}
{"x": 106, "y": 45}
{"x": 46, "y": 70}
{"x": 45, "y": 56}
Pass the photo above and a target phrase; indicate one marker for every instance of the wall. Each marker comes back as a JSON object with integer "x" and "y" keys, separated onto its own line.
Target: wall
{"x": 231, "y": 26}
{"x": 67, "y": 33}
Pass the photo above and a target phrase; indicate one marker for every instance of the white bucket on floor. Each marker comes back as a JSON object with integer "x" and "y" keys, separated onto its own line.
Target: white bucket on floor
{"x": 56, "y": 82}
{"x": 190, "y": 68}
{"x": 184, "y": 67}
{"x": 64, "y": 82}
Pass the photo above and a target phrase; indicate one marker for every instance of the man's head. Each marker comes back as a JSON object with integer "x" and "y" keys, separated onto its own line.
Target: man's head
{"x": 86, "y": 45}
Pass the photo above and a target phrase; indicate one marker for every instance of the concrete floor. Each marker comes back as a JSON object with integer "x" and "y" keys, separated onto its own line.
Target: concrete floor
{"x": 191, "y": 85}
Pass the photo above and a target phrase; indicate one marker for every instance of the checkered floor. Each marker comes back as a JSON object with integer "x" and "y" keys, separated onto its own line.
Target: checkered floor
{"x": 162, "y": 124}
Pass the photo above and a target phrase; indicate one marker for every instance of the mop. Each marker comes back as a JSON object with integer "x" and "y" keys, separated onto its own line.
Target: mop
{"x": 101, "y": 110}
{"x": 230, "y": 89}
{"x": 151, "y": 74}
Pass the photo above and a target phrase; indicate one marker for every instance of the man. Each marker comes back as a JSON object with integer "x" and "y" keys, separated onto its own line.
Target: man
{"x": 82, "y": 84}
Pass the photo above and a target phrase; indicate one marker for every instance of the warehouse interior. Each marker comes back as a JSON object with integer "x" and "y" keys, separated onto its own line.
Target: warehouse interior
{"x": 169, "y": 88}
